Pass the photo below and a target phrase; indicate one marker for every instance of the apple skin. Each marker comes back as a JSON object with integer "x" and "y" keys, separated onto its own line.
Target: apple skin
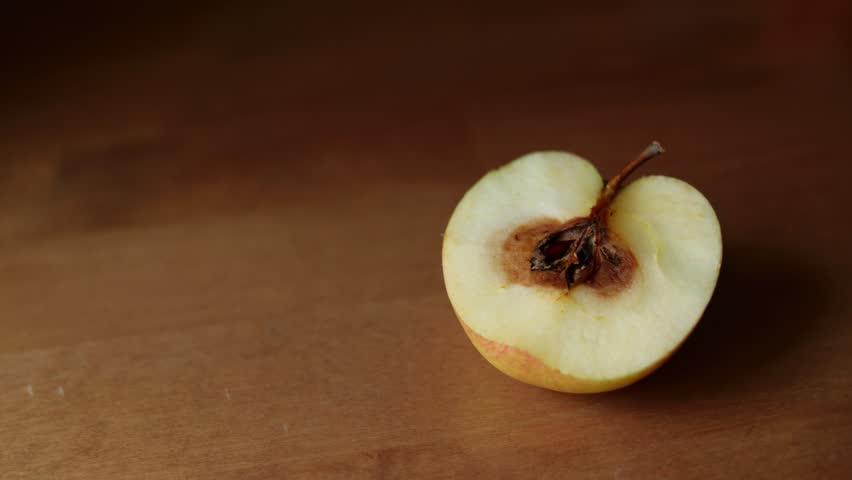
{"x": 526, "y": 368}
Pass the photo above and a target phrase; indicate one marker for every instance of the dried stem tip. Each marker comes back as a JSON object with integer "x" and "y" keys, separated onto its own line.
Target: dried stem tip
{"x": 612, "y": 186}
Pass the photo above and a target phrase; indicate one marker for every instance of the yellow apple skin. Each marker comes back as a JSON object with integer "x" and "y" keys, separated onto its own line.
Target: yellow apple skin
{"x": 524, "y": 367}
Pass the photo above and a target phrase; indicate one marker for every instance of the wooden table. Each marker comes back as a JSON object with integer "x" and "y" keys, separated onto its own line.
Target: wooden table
{"x": 220, "y": 233}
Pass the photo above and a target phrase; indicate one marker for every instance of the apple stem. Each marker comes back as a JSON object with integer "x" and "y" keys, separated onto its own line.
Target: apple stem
{"x": 614, "y": 183}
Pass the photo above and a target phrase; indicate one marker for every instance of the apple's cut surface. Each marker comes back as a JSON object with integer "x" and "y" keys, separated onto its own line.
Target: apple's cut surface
{"x": 566, "y": 283}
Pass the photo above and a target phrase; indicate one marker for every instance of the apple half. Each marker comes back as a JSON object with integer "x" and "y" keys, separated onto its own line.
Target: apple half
{"x": 566, "y": 283}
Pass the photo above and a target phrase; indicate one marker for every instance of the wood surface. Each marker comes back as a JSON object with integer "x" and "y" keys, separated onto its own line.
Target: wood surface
{"x": 220, "y": 233}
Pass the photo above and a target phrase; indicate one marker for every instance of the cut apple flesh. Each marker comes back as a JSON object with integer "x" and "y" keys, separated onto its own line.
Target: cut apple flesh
{"x": 598, "y": 335}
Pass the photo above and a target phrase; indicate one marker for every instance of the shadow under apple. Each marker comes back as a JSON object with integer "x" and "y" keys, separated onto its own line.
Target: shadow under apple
{"x": 767, "y": 303}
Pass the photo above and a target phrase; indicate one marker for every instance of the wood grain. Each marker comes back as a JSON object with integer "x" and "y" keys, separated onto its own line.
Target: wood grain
{"x": 220, "y": 234}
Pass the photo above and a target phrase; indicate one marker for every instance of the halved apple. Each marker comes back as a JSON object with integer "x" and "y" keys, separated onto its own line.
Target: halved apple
{"x": 566, "y": 283}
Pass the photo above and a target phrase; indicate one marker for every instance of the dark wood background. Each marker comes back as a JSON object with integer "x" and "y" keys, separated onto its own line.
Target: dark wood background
{"x": 220, "y": 233}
